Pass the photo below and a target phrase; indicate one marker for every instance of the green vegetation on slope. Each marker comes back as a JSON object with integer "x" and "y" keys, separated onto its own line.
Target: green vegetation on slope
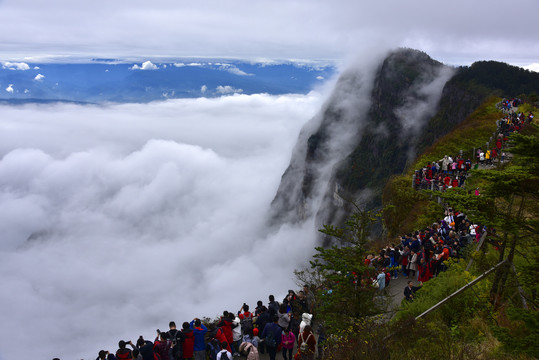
{"x": 407, "y": 209}
{"x": 495, "y": 319}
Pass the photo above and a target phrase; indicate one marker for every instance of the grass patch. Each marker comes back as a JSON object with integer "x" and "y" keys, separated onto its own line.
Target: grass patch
{"x": 408, "y": 209}
{"x": 472, "y": 133}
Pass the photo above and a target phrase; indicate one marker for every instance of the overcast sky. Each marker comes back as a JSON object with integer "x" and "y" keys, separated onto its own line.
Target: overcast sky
{"x": 455, "y": 32}
{"x": 119, "y": 218}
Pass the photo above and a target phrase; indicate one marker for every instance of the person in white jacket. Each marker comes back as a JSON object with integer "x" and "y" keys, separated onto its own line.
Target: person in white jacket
{"x": 236, "y": 331}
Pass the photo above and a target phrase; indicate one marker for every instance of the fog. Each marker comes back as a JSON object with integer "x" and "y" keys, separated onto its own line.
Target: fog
{"x": 117, "y": 219}
{"x": 341, "y": 121}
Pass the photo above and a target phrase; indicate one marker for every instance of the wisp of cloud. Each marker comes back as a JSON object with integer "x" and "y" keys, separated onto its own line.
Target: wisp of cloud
{"x": 117, "y": 219}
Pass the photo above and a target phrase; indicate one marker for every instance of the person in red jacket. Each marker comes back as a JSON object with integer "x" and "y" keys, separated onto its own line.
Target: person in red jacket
{"x": 307, "y": 336}
{"x": 447, "y": 180}
{"x": 188, "y": 341}
{"x": 221, "y": 337}
{"x": 123, "y": 353}
{"x": 226, "y": 325}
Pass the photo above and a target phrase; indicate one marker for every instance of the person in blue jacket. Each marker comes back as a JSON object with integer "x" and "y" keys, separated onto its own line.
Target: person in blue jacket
{"x": 199, "y": 331}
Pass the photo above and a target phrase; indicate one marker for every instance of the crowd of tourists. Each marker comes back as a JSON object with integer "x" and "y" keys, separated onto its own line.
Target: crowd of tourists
{"x": 286, "y": 326}
{"x": 452, "y": 171}
{"x": 423, "y": 254}
{"x": 272, "y": 328}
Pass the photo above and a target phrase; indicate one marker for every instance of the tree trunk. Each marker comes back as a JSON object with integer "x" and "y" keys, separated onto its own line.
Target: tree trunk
{"x": 505, "y": 273}
{"x": 505, "y": 270}
{"x": 494, "y": 290}
{"x": 498, "y": 276}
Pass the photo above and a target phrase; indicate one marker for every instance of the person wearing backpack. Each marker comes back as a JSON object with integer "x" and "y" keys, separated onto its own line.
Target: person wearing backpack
{"x": 272, "y": 337}
{"x": 212, "y": 348}
{"x": 226, "y": 326}
{"x": 246, "y": 319}
{"x": 224, "y": 354}
{"x": 219, "y": 334}
{"x": 176, "y": 341}
{"x": 306, "y": 344}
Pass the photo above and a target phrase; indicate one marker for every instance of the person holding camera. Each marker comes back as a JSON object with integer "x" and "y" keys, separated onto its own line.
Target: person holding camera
{"x": 123, "y": 353}
{"x": 199, "y": 331}
{"x": 162, "y": 345}
{"x": 146, "y": 348}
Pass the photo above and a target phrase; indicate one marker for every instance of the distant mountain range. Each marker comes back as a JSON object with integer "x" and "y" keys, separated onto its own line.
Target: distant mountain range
{"x": 109, "y": 80}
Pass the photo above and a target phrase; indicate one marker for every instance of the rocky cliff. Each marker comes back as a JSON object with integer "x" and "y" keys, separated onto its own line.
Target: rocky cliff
{"x": 373, "y": 126}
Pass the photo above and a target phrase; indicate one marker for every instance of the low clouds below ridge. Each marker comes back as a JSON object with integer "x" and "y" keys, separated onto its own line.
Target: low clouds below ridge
{"x": 118, "y": 219}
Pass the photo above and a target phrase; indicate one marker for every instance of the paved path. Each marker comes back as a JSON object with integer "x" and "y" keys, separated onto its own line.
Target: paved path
{"x": 278, "y": 357}
{"x": 395, "y": 290}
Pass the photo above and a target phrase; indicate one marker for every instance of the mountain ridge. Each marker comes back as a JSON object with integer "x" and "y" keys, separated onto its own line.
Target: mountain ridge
{"x": 414, "y": 100}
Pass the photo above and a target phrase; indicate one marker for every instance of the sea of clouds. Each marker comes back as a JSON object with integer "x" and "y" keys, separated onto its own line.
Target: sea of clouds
{"x": 117, "y": 219}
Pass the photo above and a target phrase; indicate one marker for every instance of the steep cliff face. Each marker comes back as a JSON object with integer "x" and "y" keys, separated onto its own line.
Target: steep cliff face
{"x": 327, "y": 138}
{"x": 362, "y": 135}
{"x": 405, "y": 95}
{"x": 375, "y": 124}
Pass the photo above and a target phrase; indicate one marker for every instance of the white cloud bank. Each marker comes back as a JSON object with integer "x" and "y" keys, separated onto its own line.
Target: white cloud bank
{"x": 9, "y": 89}
{"x": 118, "y": 219}
{"x": 39, "y": 77}
{"x": 16, "y": 66}
{"x": 532, "y": 67}
{"x": 147, "y": 65}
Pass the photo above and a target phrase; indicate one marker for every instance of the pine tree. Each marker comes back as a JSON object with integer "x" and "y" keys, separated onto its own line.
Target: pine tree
{"x": 508, "y": 204}
{"x": 348, "y": 292}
